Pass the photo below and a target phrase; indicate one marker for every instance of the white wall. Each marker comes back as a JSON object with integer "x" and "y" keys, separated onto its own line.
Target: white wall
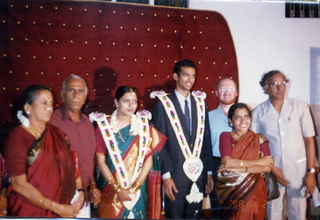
{"x": 264, "y": 40}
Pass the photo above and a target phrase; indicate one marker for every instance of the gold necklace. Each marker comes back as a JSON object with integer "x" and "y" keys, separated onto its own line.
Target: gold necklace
{"x": 236, "y": 136}
{"x": 34, "y": 133}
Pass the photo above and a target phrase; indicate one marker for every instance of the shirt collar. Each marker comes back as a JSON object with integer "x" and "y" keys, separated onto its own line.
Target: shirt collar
{"x": 181, "y": 98}
{"x": 66, "y": 114}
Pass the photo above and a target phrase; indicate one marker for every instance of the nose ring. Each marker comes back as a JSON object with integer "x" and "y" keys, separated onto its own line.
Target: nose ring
{"x": 48, "y": 108}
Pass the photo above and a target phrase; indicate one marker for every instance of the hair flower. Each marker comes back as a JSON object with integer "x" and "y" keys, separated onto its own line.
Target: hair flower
{"x": 23, "y": 119}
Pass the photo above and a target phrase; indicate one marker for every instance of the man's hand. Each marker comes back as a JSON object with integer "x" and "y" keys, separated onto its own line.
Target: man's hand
{"x": 277, "y": 172}
{"x": 169, "y": 188}
{"x": 210, "y": 184}
{"x": 310, "y": 183}
{"x": 94, "y": 195}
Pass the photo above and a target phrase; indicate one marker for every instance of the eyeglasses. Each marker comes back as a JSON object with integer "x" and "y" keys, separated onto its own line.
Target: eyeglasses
{"x": 223, "y": 89}
{"x": 277, "y": 84}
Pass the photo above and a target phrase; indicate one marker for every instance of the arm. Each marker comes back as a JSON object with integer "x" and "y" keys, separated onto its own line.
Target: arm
{"x": 310, "y": 180}
{"x": 32, "y": 194}
{"x": 208, "y": 153}
{"x": 160, "y": 123}
{"x": 94, "y": 193}
{"x": 123, "y": 194}
{"x": 261, "y": 165}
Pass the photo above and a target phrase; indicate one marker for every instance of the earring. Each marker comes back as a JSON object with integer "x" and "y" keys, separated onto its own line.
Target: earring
{"x": 28, "y": 113}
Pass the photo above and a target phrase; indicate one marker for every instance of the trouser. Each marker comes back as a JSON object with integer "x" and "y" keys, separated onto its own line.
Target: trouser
{"x": 180, "y": 208}
{"x": 296, "y": 205}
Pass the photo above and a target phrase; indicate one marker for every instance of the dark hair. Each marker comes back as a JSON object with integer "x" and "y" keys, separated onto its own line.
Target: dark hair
{"x": 29, "y": 94}
{"x": 270, "y": 74}
{"x": 123, "y": 90}
{"x": 182, "y": 63}
{"x": 235, "y": 106}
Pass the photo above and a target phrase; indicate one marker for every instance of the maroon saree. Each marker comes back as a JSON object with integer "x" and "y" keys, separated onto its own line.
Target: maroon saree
{"x": 50, "y": 169}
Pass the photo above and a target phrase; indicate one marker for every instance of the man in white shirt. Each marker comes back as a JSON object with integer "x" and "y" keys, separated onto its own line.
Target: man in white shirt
{"x": 288, "y": 126}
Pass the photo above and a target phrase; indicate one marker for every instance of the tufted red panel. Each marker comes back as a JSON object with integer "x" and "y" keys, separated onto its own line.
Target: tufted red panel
{"x": 108, "y": 44}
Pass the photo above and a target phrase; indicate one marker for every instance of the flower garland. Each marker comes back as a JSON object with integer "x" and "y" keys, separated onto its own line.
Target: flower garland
{"x": 23, "y": 119}
{"x": 193, "y": 165}
{"x": 134, "y": 124}
{"x": 140, "y": 124}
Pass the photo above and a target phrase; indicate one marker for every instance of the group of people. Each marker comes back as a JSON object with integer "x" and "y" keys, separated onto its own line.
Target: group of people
{"x": 180, "y": 149}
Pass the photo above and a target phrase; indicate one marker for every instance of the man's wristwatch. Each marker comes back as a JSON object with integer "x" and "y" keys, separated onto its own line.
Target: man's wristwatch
{"x": 312, "y": 170}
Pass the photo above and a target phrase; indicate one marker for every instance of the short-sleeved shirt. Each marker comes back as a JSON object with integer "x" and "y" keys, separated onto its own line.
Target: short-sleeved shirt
{"x": 285, "y": 132}
{"x": 82, "y": 139}
{"x": 218, "y": 124}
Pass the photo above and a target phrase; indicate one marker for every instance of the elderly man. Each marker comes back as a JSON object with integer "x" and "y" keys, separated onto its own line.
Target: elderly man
{"x": 288, "y": 126}
{"x": 227, "y": 94}
{"x": 186, "y": 163}
{"x": 80, "y": 131}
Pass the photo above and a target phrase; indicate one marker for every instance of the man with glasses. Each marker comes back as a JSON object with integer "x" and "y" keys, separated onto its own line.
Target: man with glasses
{"x": 226, "y": 91}
{"x": 288, "y": 126}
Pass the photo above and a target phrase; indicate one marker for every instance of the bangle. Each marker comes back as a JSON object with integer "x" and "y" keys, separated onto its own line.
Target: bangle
{"x": 116, "y": 188}
{"x": 135, "y": 186}
{"x": 241, "y": 163}
{"x": 109, "y": 179}
{"x": 4, "y": 211}
{"x": 246, "y": 170}
{"x": 79, "y": 190}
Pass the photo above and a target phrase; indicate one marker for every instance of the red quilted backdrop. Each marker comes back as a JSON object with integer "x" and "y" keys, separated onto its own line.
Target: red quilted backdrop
{"x": 108, "y": 44}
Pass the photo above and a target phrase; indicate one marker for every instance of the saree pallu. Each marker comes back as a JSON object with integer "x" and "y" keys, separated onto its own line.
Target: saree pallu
{"x": 51, "y": 170}
{"x": 243, "y": 195}
{"x": 149, "y": 203}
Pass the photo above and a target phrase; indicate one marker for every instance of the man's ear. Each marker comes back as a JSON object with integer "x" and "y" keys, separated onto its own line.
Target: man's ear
{"x": 62, "y": 95}
{"x": 175, "y": 76}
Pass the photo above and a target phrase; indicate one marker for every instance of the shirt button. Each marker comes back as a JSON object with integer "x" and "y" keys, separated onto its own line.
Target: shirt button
{"x": 282, "y": 133}
{"x": 283, "y": 145}
{"x": 191, "y": 145}
{"x": 279, "y": 120}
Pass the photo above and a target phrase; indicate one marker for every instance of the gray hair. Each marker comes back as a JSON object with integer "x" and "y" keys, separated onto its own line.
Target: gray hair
{"x": 64, "y": 84}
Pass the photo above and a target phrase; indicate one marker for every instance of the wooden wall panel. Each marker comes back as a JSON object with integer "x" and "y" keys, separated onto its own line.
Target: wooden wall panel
{"x": 108, "y": 44}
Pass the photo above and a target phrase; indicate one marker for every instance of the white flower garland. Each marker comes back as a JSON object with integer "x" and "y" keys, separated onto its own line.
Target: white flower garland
{"x": 134, "y": 124}
{"x": 23, "y": 119}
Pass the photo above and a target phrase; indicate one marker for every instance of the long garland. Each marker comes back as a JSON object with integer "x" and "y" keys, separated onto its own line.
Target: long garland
{"x": 193, "y": 165}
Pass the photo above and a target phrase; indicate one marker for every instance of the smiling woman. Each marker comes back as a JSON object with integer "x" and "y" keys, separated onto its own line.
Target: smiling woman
{"x": 245, "y": 157}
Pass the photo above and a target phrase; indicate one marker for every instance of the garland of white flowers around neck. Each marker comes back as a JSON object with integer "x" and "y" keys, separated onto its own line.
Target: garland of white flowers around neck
{"x": 139, "y": 125}
{"x": 193, "y": 165}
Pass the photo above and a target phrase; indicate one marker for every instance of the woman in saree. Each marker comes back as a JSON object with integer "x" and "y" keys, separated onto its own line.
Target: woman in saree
{"x": 41, "y": 168}
{"x": 127, "y": 157}
{"x": 245, "y": 157}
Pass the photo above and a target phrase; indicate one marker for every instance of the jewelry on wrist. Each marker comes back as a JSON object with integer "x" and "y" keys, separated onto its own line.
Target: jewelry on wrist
{"x": 246, "y": 170}
{"x": 116, "y": 188}
{"x": 135, "y": 187}
{"x": 241, "y": 163}
{"x": 79, "y": 190}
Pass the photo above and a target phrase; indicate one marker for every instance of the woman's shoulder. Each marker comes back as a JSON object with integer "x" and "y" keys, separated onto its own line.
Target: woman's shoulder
{"x": 262, "y": 138}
